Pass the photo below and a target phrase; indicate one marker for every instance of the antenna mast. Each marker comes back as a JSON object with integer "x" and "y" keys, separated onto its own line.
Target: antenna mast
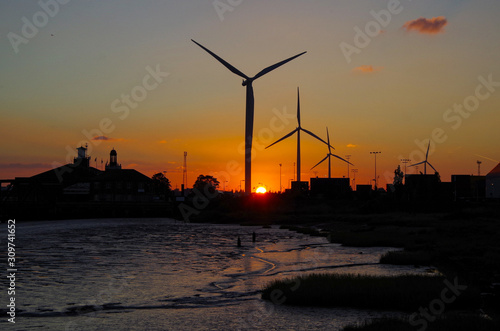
{"x": 184, "y": 171}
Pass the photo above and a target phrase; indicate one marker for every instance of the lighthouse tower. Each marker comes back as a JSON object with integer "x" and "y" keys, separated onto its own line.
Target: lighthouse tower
{"x": 82, "y": 158}
{"x": 113, "y": 161}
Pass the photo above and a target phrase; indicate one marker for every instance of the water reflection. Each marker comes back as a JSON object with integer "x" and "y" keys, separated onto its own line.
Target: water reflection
{"x": 161, "y": 274}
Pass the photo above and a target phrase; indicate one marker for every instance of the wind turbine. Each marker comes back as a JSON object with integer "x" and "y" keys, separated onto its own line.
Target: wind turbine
{"x": 425, "y": 162}
{"x": 247, "y": 81}
{"x": 298, "y": 129}
{"x": 329, "y": 155}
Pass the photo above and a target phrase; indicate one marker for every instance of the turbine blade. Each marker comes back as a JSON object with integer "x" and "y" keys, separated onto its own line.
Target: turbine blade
{"x": 317, "y": 164}
{"x": 226, "y": 64}
{"x": 277, "y": 65}
{"x": 338, "y": 157}
{"x": 298, "y": 106}
{"x": 427, "y": 154}
{"x": 432, "y": 167}
{"x": 416, "y": 164}
{"x": 328, "y": 137}
{"x": 313, "y": 135}
{"x": 284, "y": 137}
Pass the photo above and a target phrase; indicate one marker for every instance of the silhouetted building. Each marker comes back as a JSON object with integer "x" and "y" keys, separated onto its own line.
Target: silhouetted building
{"x": 493, "y": 183}
{"x": 300, "y": 187}
{"x": 363, "y": 192}
{"x": 332, "y": 187}
{"x": 113, "y": 161}
{"x": 78, "y": 186}
{"x": 67, "y": 182}
{"x": 422, "y": 187}
{"x": 468, "y": 187}
{"x": 122, "y": 185}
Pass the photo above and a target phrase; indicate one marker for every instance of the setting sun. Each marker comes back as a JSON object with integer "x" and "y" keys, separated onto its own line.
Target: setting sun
{"x": 261, "y": 190}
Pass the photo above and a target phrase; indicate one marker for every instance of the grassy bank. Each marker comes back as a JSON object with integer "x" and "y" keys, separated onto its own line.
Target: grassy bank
{"x": 463, "y": 244}
{"x": 405, "y": 293}
{"x": 418, "y": 258}
{"x": 449, "y": 322}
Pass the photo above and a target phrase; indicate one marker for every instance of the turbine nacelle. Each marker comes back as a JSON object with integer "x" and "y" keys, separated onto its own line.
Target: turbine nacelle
{"x": 246, "y": 82}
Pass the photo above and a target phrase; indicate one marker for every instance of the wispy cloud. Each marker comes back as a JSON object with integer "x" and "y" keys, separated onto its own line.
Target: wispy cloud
{"x": 367, "y": 69}
{"x": 427, "y": 25}
{"x": 106, "y": 138}
{"x": 487, "y": 158}
{"x": 131, "y": 165}
{"x": 351, "y": 145}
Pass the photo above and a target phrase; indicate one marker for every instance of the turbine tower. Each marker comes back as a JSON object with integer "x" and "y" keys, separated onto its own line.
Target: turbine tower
{"x": 247, "y": 81}
{"x": 425, "y": 162}
{"x": 329, "y": 155}
{"x": 298, "y": 129}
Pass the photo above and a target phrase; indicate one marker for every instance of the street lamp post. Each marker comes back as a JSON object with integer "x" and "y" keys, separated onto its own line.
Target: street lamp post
{"x": 347, "y": 158}
{"x": 354, "y": 171}
{"x": 375, "y": 154}
{"x": 280, "y": 177}
{"x": 405, "y": 161}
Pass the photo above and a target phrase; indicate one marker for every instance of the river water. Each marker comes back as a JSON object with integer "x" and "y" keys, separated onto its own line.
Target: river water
{"x": 161, "y": 274}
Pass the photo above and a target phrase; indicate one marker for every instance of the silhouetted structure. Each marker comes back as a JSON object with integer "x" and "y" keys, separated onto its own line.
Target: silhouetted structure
{"x": 422, "y": 187}
{"x": 493, "y": 183}
{"x": 113, "y": 161}
{"x": 363, "y": 192}
{"x": 297, "y": 130}
{"x": 79, "y": 190}
{"x": 300, "y": 187}
{"x": 330, "y": 154}
{"x": 70, "y": 182}
{"x": 468, "y": 187}
{"x": 425, "y": 162}
{"x": 330, "y": 187}
{"x": 249, "y": 108}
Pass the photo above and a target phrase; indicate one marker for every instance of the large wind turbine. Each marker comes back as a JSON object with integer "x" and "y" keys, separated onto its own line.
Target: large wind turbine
{"x": 298, "y": 129}
{"x": 425, "y": 162}
{"x": 329, "y": 155}
{"x": 247, "y": 81}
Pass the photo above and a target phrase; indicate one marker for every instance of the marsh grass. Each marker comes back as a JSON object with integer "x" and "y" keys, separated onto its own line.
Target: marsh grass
{"x": 407, "y": 258}
{"x": 403, "y": 293}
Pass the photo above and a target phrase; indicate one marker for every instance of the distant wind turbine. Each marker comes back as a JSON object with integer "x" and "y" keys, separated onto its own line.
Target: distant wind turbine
{"x": 247, "y": 81}
{"x": 329, "y": 155}
{"x": 425, "y": 162}
{"x": 298, "y": 129}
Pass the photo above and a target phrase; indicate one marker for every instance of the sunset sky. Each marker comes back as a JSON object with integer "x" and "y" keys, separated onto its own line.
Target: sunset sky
{"x": 381, "y": 75}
